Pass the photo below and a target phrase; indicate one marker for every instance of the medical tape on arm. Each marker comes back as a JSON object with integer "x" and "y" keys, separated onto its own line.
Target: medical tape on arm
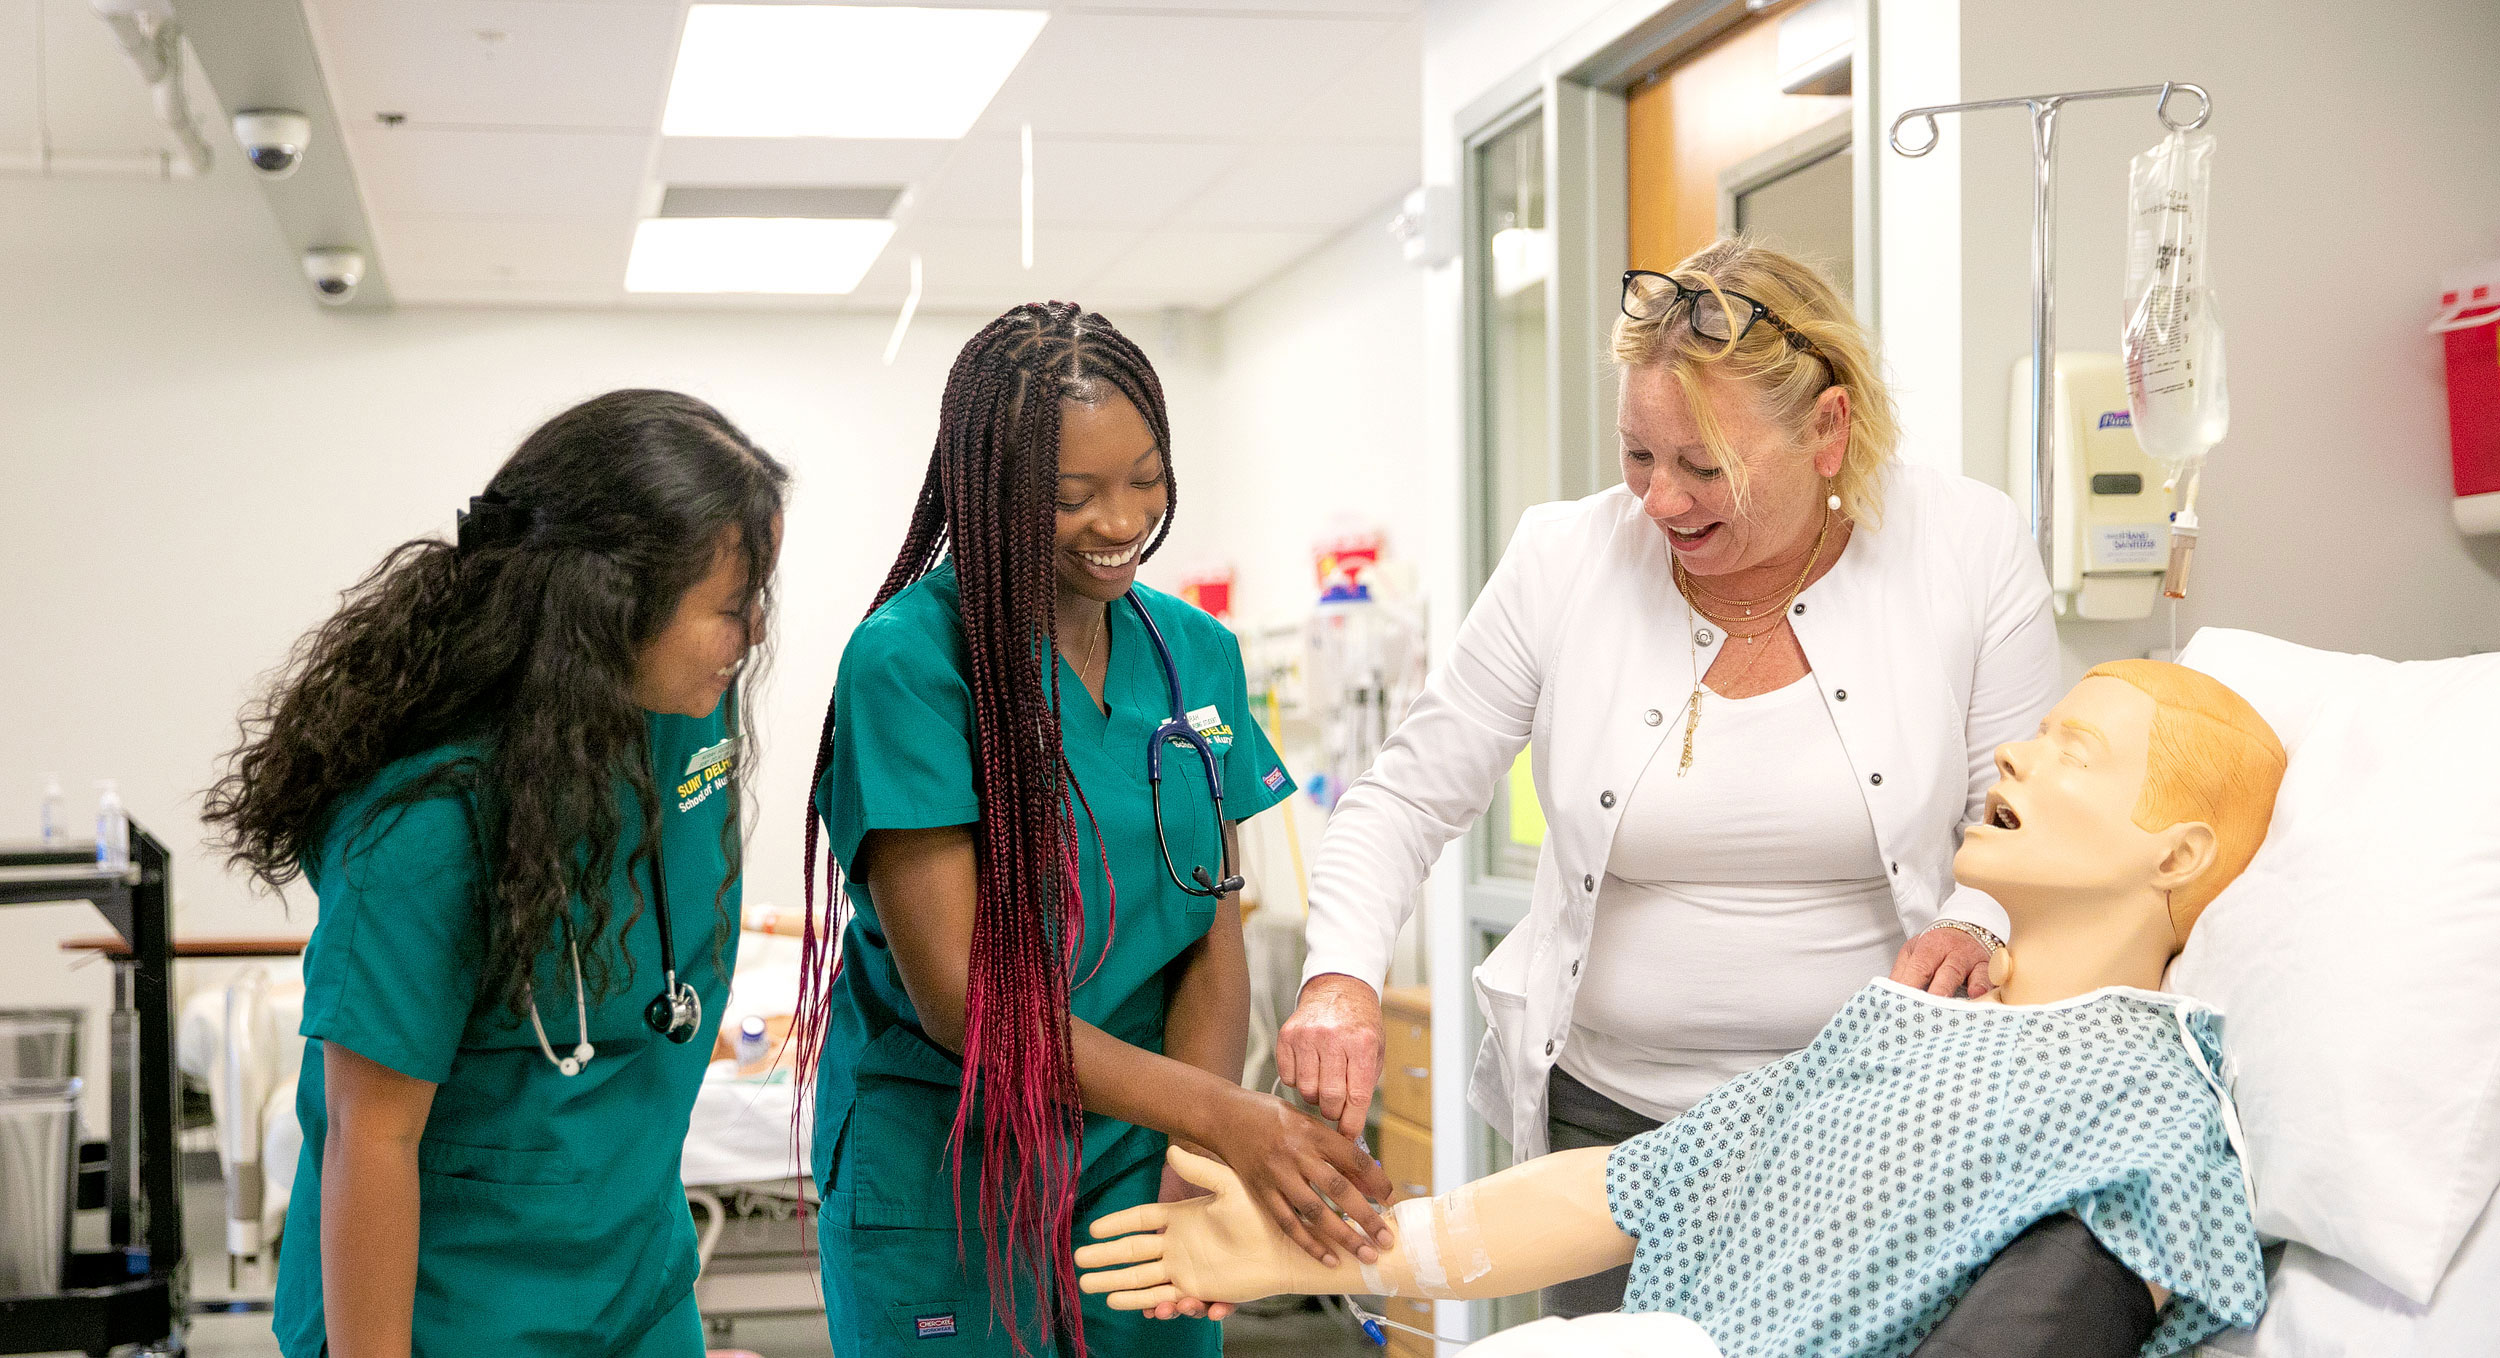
{"x": 1435, "y": 1238}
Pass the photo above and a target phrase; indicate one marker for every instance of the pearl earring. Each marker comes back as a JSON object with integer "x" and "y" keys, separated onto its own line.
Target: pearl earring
{"x": 1832, "y": 502}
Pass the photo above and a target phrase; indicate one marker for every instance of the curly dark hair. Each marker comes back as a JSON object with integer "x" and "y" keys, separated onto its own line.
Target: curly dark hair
{"x": 523, "y": 642}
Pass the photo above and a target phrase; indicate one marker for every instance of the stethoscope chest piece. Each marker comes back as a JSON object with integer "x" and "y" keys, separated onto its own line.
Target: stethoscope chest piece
{"x": 676, "y": 1012}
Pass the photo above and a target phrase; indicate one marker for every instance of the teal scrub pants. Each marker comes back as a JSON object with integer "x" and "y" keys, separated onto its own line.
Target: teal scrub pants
{"x": 678, "y": 1334}
{"x": 908, "y": 1292}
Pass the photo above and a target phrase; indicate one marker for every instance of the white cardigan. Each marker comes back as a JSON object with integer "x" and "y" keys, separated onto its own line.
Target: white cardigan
{"x": 1931, "y": 642}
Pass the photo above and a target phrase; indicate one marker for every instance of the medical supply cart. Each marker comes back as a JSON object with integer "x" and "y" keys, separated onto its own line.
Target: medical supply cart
{"x": 132, "y": 1291}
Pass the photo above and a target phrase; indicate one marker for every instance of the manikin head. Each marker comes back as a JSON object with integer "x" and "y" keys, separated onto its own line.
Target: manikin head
{"x": 2148, "y": 788}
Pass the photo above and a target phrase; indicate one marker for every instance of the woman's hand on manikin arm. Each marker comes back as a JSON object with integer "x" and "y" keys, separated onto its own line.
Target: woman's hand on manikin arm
{"x": 1531, "y": 1226}
{"x": 369, "y": 1177}
{"x": 924, "y": 884}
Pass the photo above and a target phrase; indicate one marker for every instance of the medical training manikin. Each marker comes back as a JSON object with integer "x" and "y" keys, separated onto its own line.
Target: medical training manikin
{"x": 1839, "y": 1200}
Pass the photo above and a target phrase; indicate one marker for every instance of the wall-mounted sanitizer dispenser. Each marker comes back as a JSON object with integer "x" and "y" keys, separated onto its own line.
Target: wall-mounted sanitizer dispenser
{"x": 2112, "y": 530}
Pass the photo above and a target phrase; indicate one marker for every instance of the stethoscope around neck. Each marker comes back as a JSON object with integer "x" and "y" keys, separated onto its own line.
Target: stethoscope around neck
{"x": 675, "y": 1013}
{"x": 1176, "y": 729}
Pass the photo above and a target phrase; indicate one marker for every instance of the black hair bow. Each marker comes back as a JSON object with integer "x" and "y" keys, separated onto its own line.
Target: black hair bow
{"x": 493, "y": 520}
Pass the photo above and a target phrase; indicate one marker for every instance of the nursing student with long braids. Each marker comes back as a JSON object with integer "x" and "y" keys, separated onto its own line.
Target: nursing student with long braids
{"x": 1041, "y": 977}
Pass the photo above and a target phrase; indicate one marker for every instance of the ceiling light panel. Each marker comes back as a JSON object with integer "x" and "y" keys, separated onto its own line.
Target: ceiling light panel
{"x": 842, "y": 70}
{"x": 753, "y": 254}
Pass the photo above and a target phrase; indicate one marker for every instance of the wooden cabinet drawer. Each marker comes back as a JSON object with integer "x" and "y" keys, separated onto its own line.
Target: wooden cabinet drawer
{"x": 1406, "y": 1157}
{"x": 1415, "y": 1311}
{"x": 1406, "y": 1066}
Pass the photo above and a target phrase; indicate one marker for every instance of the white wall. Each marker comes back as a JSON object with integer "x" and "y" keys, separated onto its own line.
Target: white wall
{"x": 195, "y": 459}
{"x": 2355, "y": 161}
{"x": 1315, "y": 415}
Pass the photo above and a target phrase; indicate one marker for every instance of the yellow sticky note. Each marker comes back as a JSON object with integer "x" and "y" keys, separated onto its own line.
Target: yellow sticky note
{"x": 1527, "y": 818}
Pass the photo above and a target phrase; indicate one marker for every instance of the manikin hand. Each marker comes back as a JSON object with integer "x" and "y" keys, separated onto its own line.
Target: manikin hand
{"x": 1178, "y": 1189}
{"x": 1217, "y": 1248}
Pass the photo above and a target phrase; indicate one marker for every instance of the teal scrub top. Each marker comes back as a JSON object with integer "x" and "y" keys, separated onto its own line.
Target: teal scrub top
{"x": 902, "y": 758}
{"x": 551, "y": 1217}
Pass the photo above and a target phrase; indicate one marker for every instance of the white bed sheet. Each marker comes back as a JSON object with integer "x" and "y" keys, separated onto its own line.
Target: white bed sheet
{"x": 740, "y": 1132}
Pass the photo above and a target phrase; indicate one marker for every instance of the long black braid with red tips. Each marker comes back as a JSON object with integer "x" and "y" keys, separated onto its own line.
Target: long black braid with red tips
{"x": 989, "y": 501}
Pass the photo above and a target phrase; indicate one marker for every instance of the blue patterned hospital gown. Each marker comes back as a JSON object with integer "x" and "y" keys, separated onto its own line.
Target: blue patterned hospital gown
{"x": 1838, "y": 1201}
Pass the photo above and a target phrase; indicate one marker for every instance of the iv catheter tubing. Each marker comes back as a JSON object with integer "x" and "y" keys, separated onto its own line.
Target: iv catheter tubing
{"x": 2043, "y": 108}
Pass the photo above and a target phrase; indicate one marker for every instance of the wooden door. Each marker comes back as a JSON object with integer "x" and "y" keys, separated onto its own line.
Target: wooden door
{"x": 1708, "y": 113}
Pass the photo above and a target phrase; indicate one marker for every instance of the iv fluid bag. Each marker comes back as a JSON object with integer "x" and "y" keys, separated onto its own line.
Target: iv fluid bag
{"x": 2172, "y": 345}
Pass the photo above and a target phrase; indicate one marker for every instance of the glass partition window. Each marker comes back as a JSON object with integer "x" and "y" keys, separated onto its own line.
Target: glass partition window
{"x": 1515, "y": 256}
{"x": 1513, "y": 259}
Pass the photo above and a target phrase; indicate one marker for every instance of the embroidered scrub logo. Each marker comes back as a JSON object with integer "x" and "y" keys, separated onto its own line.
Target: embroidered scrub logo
{"x": 1210, "y": 723}
{"x": 1274, "y": 779}
{"x": 706, "y": 773}
{"x": 934, "y": 1327}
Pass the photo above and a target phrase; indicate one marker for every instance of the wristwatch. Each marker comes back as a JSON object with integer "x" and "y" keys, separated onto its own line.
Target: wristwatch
{"x": 1962, "y": 926}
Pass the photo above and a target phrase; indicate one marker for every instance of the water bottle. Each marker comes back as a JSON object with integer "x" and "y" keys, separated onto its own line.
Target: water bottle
{"x": 52, "y": 810}
{"x": 752, "y": 1043}
{"x": 112, "y": 829}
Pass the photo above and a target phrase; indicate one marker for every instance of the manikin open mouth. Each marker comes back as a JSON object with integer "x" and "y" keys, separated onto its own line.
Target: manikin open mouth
{"x": 2001, "y": 813}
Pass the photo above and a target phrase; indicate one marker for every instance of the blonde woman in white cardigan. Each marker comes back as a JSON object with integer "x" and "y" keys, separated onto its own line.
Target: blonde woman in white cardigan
{"x": 1762, "y": 682}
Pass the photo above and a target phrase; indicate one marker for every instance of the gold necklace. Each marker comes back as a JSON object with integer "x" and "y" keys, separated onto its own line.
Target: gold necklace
{"x": 1731, "y": 602}
{"x": 1779, "y": 618}
{"x": 1691, "y": 584}
{"x": 1101, "y": 625}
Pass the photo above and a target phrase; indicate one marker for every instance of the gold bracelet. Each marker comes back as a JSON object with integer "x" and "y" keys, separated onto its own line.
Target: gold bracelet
{"x": 1978, "y": 931}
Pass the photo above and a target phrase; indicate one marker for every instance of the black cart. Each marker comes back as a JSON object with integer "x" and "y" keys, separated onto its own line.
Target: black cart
{"x": 134, "y": 1291}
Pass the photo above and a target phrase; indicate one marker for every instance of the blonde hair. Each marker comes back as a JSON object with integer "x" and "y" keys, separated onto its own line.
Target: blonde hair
{"x": 1783, "y": 381}
{"x": 2210, "y": 758}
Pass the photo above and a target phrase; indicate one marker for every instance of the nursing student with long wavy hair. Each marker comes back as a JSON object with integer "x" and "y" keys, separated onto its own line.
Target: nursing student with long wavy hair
{"x": 1041, "y": 974}
{"x": 493, "y": 764}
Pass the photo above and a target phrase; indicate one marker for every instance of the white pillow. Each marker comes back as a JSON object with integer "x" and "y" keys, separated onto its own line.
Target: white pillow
{"x": 2358, "y": 958}
{"x": 2318, "y": 1307}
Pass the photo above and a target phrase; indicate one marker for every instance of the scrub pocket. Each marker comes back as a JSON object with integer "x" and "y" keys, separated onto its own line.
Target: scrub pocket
{"x": 515, "y": 1247}
{"x": 891, "y": 1160}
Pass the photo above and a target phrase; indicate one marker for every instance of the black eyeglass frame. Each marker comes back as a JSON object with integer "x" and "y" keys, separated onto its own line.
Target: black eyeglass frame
{"x": 1685, "y": 295}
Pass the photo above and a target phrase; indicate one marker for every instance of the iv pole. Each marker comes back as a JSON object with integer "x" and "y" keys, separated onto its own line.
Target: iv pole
{"x": 2044, "y": 109}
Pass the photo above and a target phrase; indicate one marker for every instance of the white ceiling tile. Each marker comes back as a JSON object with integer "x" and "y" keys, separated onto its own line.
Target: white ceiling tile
{"x": 1203, "y": 268}
{"x": 475, "y": 293}
{"x": 979, "y": 267}
{"x": 1184, "y": 76}
{"x": 798, "y": 160}
{"x": 1316, "y": 185}
{"x": 504, "y": 63}
{"x": 1379, "y": 98}
{"x": 517, "y": 174}
{"x": 508, "y": 252}
{"x": 1075, "y": 183}
{"x": 1363, "y": 8}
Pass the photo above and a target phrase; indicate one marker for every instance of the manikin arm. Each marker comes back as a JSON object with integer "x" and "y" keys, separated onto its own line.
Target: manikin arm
{"x": 1531, "y": 1226}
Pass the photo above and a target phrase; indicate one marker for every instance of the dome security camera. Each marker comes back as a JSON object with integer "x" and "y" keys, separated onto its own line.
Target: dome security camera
{"x": 273, "y": 139}
{"x": 334, "y": 270}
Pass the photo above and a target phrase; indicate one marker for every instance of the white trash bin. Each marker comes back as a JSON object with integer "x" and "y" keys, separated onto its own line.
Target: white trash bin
{"x": 38, "y": 1183}
{"x": 38, "y": 1044}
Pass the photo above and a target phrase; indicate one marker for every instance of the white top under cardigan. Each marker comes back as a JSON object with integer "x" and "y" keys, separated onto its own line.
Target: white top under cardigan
{"x": 1762, "y": 849}
{"x": 1931, "y": 643}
